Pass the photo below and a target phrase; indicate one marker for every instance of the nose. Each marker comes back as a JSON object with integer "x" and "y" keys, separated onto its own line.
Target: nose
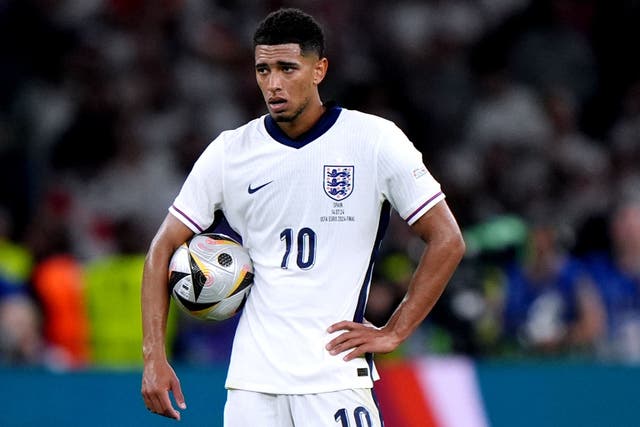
{"x": 274, "y": 83}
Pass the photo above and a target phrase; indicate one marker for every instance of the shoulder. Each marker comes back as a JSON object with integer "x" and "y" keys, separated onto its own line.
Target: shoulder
{"x": 241, "y": 132}
{"x": 372, "y": 130}
{"x": 388, "y": 140}
{"x": 369, "y": 121}
{"x": 232, "y": 137}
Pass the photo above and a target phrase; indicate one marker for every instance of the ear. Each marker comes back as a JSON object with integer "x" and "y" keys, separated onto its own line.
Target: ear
{"x": 320, "y": 70}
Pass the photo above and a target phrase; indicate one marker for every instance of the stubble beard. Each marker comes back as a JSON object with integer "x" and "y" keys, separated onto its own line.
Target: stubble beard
{"x": 293, "y": 116}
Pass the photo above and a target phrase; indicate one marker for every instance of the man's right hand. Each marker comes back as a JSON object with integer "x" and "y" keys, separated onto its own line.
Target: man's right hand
{"x": 158, "y": 378}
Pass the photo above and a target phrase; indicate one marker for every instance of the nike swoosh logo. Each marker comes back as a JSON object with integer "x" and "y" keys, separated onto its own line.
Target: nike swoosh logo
{"x": 253, "y": 190}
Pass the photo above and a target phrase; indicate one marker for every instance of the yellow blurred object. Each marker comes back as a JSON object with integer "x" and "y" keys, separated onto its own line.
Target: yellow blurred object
{"x": 16, "y": 262}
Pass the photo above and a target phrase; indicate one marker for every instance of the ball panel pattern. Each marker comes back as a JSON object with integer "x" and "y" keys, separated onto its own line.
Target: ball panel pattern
{"x": 210, "y": 276}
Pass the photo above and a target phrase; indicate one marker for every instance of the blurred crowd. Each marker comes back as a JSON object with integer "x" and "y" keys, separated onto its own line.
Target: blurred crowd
{"x": 527, "y": 112}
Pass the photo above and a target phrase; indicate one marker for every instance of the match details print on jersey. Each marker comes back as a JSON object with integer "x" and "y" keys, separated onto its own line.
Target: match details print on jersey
{"x": 338, "y": 185}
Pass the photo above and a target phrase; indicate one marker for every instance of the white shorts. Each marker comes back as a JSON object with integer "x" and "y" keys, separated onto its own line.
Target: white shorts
{"x": 344, "y": 408}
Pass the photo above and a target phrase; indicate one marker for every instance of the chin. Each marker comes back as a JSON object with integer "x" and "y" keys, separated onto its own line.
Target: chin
{"x": 282, "y": 117}
{"x": 288, "y": 116}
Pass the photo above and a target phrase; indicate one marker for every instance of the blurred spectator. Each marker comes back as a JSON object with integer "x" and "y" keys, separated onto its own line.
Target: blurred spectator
{"x": 461, "y": 321}
{"x": 625, "y": 136}
{"x": 20, "y": 335}
{"x": 580, "y": 165}
{"x": 113, "y": 295}
{"x": 617, "y": 273}
{"x": 20, "y": 339}
{"x": 505, "y": 112}
{"x": 16, "y": 261}
{"x": 136, "y": 183}
{"x": 550, "y": 306}
{"x": 58, "y": 285}
{"x": 504, "y": 138}
{"x": 476, "y": 293}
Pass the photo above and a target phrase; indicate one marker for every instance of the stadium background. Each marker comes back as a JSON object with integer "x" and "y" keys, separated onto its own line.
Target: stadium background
{"x": 527, "y": 112}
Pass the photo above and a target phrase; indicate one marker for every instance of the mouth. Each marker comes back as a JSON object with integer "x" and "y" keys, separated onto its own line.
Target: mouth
{"x": 277, "y": 104}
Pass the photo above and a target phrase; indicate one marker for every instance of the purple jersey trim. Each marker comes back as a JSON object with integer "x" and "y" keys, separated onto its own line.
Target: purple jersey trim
{"x": 185, "y": 216}
{"x": 438, "y": 194}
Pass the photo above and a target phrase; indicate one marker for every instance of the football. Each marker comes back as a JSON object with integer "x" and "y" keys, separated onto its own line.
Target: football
{"x": 210, "y": 276}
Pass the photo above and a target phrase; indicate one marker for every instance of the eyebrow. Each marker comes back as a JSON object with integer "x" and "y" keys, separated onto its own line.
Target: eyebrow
{"x": 279, "y": 63}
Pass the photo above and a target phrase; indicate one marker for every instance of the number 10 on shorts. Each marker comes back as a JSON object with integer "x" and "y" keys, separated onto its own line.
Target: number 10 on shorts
{"x": 360, "y": 414}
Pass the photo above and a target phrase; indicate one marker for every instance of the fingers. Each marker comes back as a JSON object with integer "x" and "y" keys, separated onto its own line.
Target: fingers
{"x": 177, "y": 394}
{"x": 357, "y": 339}
{"x": 167, "y": 408}
{"x": 357, "y": 352}
{"x": 157, "y": 400}
{"x": 342, "y": 326}
{"x": 159, "y": 403}
{"x": 356, "y": 344}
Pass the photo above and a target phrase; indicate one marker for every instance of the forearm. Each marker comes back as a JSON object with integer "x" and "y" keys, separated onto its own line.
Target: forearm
{"x": 155, "y": 305}
{"x": 154, "y": 293}
{"x": 436, "y": 267}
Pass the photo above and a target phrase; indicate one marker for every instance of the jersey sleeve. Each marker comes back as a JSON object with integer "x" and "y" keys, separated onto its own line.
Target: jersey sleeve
{"x": 201, "y": 193}
{"x": 403, "y": 178}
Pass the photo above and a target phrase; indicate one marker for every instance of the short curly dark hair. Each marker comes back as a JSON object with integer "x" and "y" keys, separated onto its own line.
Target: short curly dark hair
{"x": 290, "y": 25}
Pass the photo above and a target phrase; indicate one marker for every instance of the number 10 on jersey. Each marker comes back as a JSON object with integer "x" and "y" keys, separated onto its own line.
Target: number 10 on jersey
{"x": 305, "y": 247}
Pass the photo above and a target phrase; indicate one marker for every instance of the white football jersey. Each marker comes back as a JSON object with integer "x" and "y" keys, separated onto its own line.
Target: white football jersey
{"x": 311, "y": 213}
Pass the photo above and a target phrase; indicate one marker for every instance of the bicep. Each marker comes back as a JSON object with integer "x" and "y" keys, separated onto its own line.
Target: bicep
{"x": 438, "y": 224}
{"x": 171, "y": 234}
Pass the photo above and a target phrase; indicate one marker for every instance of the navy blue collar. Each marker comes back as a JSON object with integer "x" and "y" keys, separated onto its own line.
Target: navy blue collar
{"x": 322, "y": 125}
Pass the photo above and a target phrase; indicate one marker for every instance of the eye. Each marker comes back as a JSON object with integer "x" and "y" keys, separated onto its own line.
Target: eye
{"x": 262, "y": 70}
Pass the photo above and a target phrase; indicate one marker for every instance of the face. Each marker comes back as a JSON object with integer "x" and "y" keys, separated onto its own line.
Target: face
{"x": 288, "y": 80}
{"x": 625, "y": 227}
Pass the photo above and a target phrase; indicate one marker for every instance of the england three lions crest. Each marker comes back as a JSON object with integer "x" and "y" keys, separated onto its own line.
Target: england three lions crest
{"x": 338, "y": 181}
